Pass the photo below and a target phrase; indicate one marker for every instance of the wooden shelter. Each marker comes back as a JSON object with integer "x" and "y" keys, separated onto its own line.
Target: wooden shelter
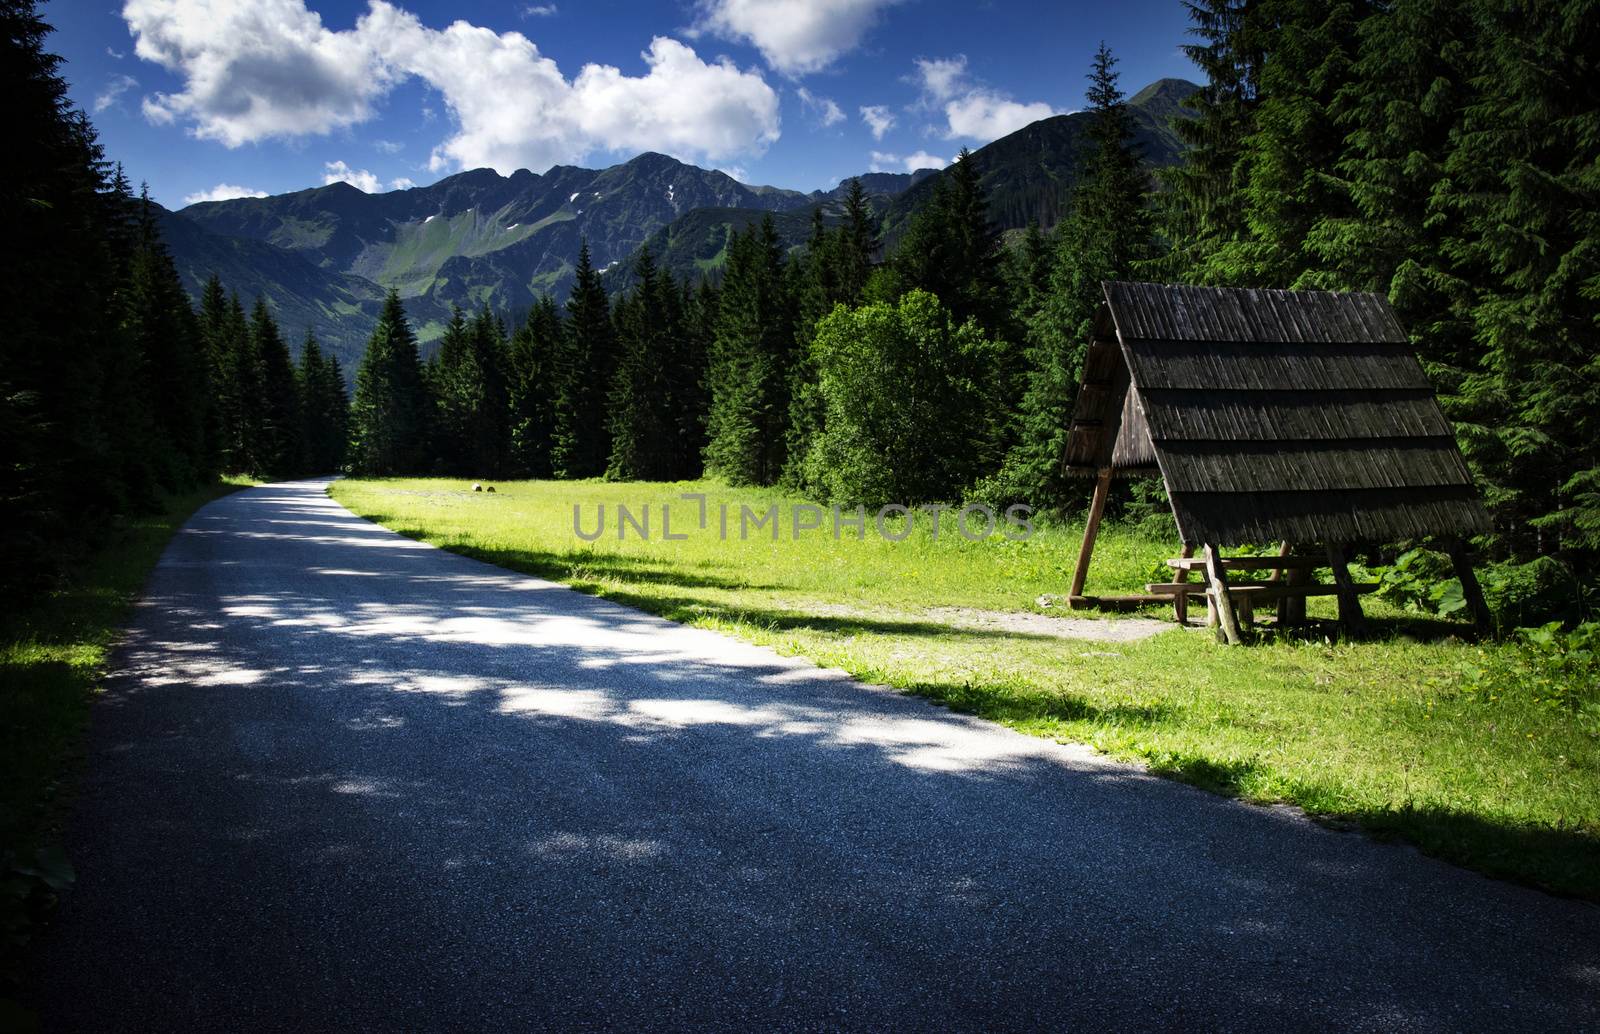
{"x": 1293, "y": 417}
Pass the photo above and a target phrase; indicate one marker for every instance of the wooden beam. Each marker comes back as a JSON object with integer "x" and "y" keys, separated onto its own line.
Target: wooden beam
{"x": 1097, "y": 509}
{"x": 1180, "y": 602}
{"x": 1228, "y": 620}
{"x": 1285, "y": 605}
{"x": 1350, "y": 615}
{"x": 1470, "y": 588}
{"x": 1254, "y": 563}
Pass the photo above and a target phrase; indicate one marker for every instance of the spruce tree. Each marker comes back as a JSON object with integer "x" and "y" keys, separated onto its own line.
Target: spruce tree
{"x": 278, "y": 447}
{"x": 536, "y": 350}
{"x": 643, "y": 430}
{"x": 751, "y": 357}
{"x": 1106, "y": 231}
{"x": 441, "y": 373}
{"x": 1202, "y": 203}
{"x": 389, "y": 414}
{"x": 322, "y": 409}
{"x": 580, "y": 443}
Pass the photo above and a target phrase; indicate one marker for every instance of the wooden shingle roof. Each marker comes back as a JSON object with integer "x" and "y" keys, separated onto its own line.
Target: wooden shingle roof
{"x": 1271, "y": 415}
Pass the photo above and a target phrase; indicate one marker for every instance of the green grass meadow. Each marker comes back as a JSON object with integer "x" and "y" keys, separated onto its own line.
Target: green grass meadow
{"x": 1391, "y": 732}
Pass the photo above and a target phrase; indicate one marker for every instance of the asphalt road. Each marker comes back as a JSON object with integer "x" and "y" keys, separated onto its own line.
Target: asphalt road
{"x": 346, "y": 781}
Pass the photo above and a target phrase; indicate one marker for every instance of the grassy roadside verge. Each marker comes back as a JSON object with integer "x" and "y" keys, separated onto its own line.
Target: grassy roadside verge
{"x": 1392, "y": 733}
{"x": 53, "y": 651}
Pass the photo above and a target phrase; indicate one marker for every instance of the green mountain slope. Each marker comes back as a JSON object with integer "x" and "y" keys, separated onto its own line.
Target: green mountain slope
{"x": 1028, "y": 176}
{"x": 479, "y": 237}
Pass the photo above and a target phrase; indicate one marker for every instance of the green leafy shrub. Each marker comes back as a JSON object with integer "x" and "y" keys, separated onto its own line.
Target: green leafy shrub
{"x": 1550, "y": 666}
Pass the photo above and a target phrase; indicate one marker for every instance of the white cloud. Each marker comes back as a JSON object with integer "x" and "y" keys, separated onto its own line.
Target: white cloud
{"x": 879, "y": 118}
{"x": 883, "y": 161}
{"x": 402, "y": 183}
{"x": 115, "y": 54}
{"x": 941, "y": 77}
{"x": 826, "y": 110}
{"x": 223, "y": 192}
{"x": 539, "y": 11}
{"x": 971, "y": 109}
{"x": 273, "y": 70}
{"x": 262, "y": 69}
{"x": 114, "y": 89}
{"x": 795, "y": 36}
{"x": 389, "y": 146}
{"x": 339, "y": 172}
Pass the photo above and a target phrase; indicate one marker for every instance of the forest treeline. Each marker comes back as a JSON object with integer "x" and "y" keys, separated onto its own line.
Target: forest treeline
{"x": 114, "y": 389}
{"x": 1444, "y": 154}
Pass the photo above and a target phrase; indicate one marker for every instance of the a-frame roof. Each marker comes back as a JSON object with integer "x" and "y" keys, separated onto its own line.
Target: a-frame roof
{"x": 1298, "y": 416}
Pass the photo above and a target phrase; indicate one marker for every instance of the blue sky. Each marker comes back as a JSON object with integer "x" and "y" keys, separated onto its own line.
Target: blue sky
{"x": 219, "y": 97}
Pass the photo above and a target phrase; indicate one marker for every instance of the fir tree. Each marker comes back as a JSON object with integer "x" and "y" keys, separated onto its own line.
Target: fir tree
{"x": 641, "y": 417}
{"x": 389, "y": 414}
{"x": 537, "y": 349}
{"x": 1105, "y": 233}
{"x": 322, "y": 409}
{"x": 750, "y": 362}
{"x": 277, "y": 449}
{"x": 580, "y": 443}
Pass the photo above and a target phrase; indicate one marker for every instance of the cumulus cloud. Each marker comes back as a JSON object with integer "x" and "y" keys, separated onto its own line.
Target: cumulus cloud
{"x": 262, "y": 69}
{"x": 973, "y": 110}
{"x": 339, "y": 172}
{"x": 271, "y": 69}
{"x": 113, "y": 91}
{"x": 794, "y": 36}
{"x": 883, "y": 161}
{"x": 402, "y": 183}
{"x": 222, "y": 192}
{"x": 827, "y": 112}
{"x": 878, "y": 118}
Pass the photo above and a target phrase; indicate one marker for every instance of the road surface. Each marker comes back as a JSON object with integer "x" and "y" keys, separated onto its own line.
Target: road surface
{"x": 346, "y": 781}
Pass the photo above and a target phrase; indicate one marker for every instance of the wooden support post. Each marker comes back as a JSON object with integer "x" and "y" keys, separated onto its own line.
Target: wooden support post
{"x": 1350, "y": 615}
{"x": 1180, "y": 601}
{"x": 1285, "y": 607}
{"x": 1228, "y": 621}
{"x": 1097, "y": 508}
{"x": 1470, "y": 588}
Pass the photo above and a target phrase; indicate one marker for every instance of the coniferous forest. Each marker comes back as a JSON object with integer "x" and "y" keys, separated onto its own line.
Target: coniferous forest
{"x": 1444, "y": 154}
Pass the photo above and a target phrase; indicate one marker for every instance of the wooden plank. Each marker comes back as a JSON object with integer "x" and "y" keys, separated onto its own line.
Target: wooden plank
{"x": 1350, "y": 615}
{"x": 1252, "y": 563}
{"x": 1273, "y": 592}
{"x": 1470, "y": 587}
{"x": 1228, "y": 620}
{"x": 1097, "y": 509}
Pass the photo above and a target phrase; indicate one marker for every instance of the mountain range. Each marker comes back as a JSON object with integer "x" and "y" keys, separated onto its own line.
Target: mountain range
{"x": 325, "y": 256}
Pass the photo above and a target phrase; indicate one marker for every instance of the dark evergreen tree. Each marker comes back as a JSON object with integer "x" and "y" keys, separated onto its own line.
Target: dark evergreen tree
{"x": 749, "y": 367}
{"x": 389, "y": 415}
{"x": 1106, "y": 231}
{"x": 537, "y": 349}
{"x": 277, "y": 447}
{"x": 580, "y": 443}
{"x": 240, "y": 393}
{"x": 642, "y": 420}
{"x": 1202, "y": 203}
{"x": 323, "y": 406}
{"x": 953, "y": 251}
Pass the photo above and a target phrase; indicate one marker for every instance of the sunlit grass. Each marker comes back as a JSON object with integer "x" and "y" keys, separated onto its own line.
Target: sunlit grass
{"x": 1381, "y": 732}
